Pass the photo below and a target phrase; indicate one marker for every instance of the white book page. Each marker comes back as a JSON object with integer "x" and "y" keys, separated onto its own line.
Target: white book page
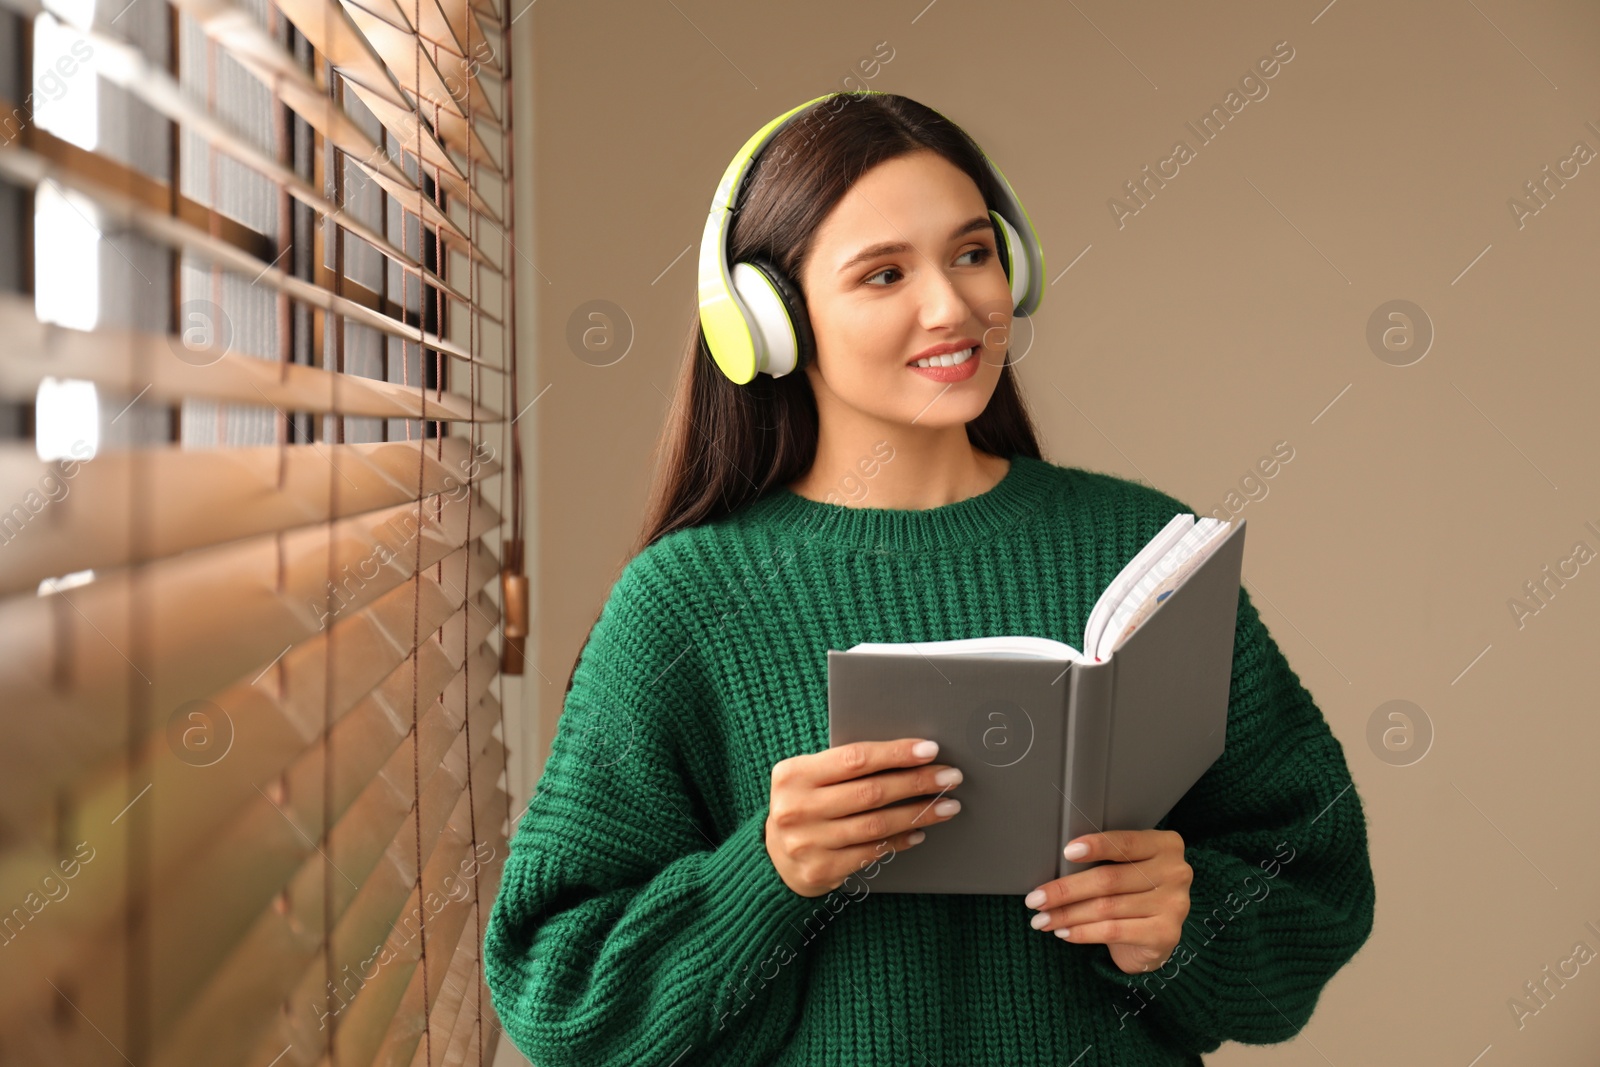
{"x": 1162, "y": 577}
{"x": 1158, "y": 568}
{"x": 1129, "y": 576}
{"x": 1020, "y": 647}
{"x": 1166, "y": 588}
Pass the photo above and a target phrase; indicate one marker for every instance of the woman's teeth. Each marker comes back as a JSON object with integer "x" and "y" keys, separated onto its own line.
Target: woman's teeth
{"x": 953, "y": 359}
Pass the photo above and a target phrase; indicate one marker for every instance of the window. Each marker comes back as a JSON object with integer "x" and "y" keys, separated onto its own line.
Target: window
{"x": 255, "y": 455}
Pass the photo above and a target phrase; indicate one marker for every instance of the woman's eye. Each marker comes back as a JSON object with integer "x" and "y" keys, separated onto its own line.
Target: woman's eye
{"x": 983, "y": 255}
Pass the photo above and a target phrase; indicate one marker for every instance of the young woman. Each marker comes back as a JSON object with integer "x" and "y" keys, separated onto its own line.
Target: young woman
{"x": 691, "y": 883}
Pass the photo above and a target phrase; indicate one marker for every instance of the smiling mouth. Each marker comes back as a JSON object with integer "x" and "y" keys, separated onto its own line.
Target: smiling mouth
{"x": 952, "y": 359}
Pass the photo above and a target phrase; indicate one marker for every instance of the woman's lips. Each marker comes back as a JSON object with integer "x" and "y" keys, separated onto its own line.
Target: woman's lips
{"x": 958, "y": 373}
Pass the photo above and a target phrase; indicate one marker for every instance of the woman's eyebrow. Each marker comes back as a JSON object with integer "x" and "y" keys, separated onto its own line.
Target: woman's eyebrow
{"x": 886, "y": 248}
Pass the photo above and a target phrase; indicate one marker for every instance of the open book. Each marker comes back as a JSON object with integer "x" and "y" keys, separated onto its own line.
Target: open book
{"x": 1054, "y": 742}
{"x": 1147, "y": 580}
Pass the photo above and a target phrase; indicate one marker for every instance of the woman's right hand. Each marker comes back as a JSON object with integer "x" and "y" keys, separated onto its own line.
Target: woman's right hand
{"x": 826, "y": 818}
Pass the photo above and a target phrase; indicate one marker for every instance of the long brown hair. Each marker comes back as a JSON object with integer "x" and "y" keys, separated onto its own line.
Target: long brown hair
{"x": 724, "y": 445}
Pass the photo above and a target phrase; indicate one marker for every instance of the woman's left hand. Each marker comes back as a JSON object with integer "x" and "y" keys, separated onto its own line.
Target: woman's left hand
{"x": 1135, "y": 904}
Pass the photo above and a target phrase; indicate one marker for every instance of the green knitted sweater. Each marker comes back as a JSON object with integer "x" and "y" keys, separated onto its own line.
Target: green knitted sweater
{"x": 640, "y": 919}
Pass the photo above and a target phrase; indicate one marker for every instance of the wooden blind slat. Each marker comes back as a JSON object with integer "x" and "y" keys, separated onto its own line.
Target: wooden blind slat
{"x": 37, "y": 350}
{"x": 125, "y": 66}
{"x": 414, "y": 68}
{"x": 328, "y": 26}
{"x": 337, "y": 39}
{"x": 116, "y": 210}
{"x": 380, "y": 1028}
{"x": 433, "y": 154}
{"x": 443, "y": 24}
{"x": 127, "y": 507}
{"x": 230, "y": 1013}
{"x": 452, "y": 1043}
{"x": 410, "y": 65}
{"x": 257, "y": 854}
{"x": 270, "y": 719}
{"x": 451, "y": 1021}
{"x": 207, "y": 618}
{"x": 275, "y": 939}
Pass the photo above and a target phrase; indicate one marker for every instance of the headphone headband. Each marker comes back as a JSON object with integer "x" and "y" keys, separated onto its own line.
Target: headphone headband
{"x": 747, "y": 313}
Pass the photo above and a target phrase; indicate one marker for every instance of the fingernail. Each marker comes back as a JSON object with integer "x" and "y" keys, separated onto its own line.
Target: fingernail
{"x": 1034, "y": 899}
{"x": 948, "y": 776}
{"x": 916, "y": 837}
{"x": 947, "y": 807}
{"x": 925, "y": 748}
{"x": 1064, "y": 934}
{"x": 1076, "y": 850}
{"x": 1040, "y": 921}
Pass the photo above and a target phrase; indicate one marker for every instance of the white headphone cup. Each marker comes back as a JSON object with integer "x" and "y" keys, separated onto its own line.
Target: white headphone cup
{"x": 1017, "y": 257}
{"x": 771, "y": 330}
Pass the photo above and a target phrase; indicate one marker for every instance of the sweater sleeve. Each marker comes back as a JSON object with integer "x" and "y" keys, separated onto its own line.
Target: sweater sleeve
{"x": 1283, "y": 891}
{"x": 626, "y": 929}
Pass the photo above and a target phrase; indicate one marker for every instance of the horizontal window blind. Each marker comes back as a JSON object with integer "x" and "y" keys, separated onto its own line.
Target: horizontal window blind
{"x": 260, "y": 528}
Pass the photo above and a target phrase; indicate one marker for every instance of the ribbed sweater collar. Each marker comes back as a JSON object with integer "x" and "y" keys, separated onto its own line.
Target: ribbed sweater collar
{"x": 963, "y": 523}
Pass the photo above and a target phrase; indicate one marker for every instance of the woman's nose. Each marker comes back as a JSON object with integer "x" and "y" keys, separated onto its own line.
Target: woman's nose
{"x": 943, "y": 304}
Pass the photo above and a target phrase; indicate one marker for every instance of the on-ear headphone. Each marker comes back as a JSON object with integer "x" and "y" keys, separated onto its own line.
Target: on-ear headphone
{"x": 754, "y": 318}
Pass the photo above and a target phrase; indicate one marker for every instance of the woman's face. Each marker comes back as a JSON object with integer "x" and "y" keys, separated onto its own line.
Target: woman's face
{"x": 906, "y": 261}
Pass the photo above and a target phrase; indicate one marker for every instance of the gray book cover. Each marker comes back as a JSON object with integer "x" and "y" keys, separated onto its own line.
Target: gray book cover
{"x": 1050, "y": 749}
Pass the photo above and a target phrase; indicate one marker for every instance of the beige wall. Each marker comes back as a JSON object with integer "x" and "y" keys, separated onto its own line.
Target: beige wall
{"x": 1229, "y": 314}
